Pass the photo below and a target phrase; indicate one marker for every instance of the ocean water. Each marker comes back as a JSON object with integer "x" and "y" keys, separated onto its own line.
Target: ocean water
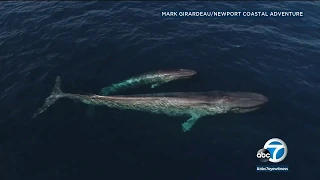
{"x": 93, "y": 44}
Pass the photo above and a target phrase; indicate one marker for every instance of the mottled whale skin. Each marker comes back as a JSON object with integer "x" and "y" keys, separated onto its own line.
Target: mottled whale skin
{"x": 153, "y": 78}
{"x": 193, "y": 104}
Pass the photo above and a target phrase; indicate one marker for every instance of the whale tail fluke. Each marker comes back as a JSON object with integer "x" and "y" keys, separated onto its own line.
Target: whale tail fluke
{"x": 107, "y": 90}
{"x": 55, "y": 95}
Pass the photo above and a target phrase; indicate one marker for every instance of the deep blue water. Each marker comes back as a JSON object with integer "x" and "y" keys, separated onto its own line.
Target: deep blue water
{"x": 93, "y": 44}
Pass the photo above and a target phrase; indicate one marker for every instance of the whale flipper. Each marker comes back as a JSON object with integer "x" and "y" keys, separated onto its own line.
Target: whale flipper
{"x": 156, "y": 85}
{"x": 186, "y": 126}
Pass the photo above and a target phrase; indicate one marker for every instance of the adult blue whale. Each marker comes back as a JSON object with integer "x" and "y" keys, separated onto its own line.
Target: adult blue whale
{"x": 192, "y": 104}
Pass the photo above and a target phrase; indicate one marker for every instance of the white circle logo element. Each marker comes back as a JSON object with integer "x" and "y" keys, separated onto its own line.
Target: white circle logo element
{"x": 275, "y": 145}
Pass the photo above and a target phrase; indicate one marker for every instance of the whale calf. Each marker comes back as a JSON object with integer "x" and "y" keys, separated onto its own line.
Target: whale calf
{"x": 192, "y": 104}
{"x": 154, "y": 78}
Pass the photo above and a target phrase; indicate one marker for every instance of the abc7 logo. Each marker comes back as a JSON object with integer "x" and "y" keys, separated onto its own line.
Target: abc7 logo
{"x": 263, "y": 155}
